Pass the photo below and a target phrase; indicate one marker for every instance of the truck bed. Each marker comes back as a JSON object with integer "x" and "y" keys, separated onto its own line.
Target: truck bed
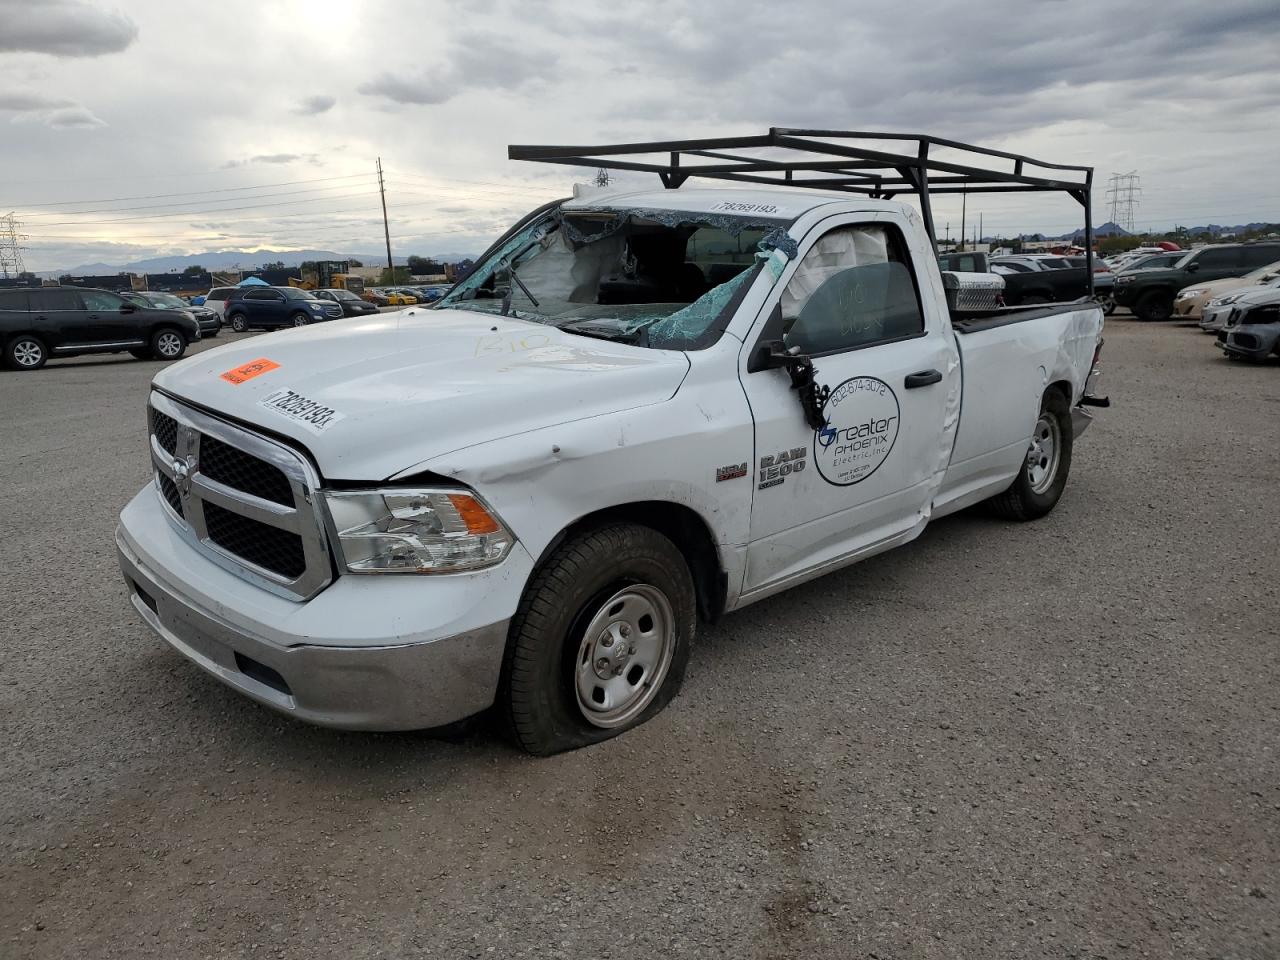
{"x": 973, "y": 321}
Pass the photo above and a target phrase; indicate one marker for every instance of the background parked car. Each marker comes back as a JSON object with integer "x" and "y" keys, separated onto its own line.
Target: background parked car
{"x": 210, "y": 322}
{"x": 1103, "y": 282}
{"x": 1190, "y": 302}
{"x": 1149, "y": 293}
{"x": 372, "y": 296}
{"x": 396, "y": 299}
{"x": 271, "y": 307}
{"x": 431, "y": 294}
{"x": 1149, "y": 261}
{"x": 216, "y": 299}
{"x": 410, "y": 295}
{"x": 1033, "y": 261}
{"x": 352, "y": 306}
{"x": 1223, "y": 312}
{"x": 44, "y": 322}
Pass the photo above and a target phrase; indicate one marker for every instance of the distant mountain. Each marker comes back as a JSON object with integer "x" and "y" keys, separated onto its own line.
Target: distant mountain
{"x": 229, "y": 259}
{"x": 1107, "y": 229}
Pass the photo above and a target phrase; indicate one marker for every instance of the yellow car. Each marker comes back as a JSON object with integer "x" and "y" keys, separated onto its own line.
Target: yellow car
{"x": 397, "y": 299}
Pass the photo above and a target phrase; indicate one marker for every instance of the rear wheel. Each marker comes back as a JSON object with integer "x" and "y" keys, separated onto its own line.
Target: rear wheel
{"x": 238, "y": 323}
{"x": 1039, "y": 484}
{"x": 167, "y": 344}
{"x": 600, "y": 640}
{"x": 25, "y": 352}
{"x": 1154, "y": 307}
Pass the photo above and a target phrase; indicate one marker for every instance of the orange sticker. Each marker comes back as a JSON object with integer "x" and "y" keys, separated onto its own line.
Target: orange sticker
{"x": 254, "y": 368}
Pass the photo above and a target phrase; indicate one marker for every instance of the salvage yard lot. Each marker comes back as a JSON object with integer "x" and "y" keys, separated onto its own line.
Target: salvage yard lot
{"x": 1056, "y": 739}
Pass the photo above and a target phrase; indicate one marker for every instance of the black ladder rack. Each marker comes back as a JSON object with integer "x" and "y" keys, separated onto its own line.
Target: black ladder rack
{"x": 838, "y": 160}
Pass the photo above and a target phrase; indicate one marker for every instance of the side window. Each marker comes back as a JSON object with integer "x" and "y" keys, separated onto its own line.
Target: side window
{"x": 13, "y": 300}
{"x": 1259, "y": 256}
{"x": 854, "y": 288}
{"x": 55, "y": 300}
{"x": 101, "y": 300}
{"x": 1225, "y": 257}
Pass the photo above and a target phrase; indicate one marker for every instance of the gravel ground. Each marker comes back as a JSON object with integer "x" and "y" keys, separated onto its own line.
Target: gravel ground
{"x": 1047, "y": 740}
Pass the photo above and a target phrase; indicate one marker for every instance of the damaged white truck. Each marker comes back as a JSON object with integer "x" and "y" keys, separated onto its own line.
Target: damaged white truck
{"x": 642, "y": 407}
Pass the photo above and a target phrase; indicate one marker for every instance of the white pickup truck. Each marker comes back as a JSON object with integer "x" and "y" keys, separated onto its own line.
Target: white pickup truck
{"x": 639, "y": 409}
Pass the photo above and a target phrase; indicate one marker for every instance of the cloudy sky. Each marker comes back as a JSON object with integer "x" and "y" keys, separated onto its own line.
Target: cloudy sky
{"x": 166, "y": 126}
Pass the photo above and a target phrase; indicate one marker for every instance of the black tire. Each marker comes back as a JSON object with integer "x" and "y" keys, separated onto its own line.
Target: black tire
{"x": 539, "y": 687}
{"x": 168, "y": 344}
{"x": 25, "y": 352}
{"x": 299, "y": 319}
{"x": 239, "y": 323}
{"x": 1154, "y": 307}
{"x": 1108, "y": 304}
{"x": 1025, "y": 500}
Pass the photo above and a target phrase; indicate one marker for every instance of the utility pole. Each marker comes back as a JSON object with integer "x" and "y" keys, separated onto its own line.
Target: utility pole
{"x": 386, "y": 230}
{"x": 11, "y": 264}
{"x": 979, "y": 227}
{"x": 964, "y": 200}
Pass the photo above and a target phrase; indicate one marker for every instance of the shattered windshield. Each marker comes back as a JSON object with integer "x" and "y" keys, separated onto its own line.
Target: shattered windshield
{"x": 660, "y": 278}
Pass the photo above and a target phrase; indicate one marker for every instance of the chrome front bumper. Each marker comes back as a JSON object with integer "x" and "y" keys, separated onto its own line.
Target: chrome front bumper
{"x": 405, "y": 686}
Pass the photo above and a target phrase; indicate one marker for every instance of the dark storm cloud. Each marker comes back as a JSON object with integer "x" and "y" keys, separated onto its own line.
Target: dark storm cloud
{"x": 476, "y": 61}
{"x": 415, "y": 89}
{"x": 63, "y": 28}
{"x": 25, "y": 100}
{"x": 310, "y": 106}
{"x": 982, "y": 73}
{"x": 276, "y": 158}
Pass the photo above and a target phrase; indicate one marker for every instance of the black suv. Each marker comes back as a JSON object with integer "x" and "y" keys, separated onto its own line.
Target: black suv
{"x": 39, "y": 322}
{"x": 272, "y": 307}
{"x": 352, "y": 306}
{"x": 1149, "y": 293}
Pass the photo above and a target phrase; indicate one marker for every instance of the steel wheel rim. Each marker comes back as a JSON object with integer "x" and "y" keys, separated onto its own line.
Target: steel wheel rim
{"x": 1044, "y": 454}
{"x": 27, "y": 353}
{"x": 168, "y": 345}
{"x": 624, "y": 655}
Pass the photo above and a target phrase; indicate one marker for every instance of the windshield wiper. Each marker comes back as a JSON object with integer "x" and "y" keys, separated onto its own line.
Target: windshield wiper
{"x": 598, "y": 331}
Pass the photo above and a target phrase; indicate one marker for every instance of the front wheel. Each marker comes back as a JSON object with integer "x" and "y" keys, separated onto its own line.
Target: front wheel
{"x": 1154, "y": 307}
{"x": 1107, "y": 303}
{"x": 167, "y": 344}
{"x": 26, "y": 352}
{"x": 1043, "y": 476}
{"x": 600, "y": 640}
{"x": 299, "y": 319}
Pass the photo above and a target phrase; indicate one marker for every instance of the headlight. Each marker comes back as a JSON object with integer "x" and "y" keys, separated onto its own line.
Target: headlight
{"x": 1124, "y": 279}
{"x": 1223, "y": 301}
{"x": 1188, "y": 294}
{"x": 416, "y": 531}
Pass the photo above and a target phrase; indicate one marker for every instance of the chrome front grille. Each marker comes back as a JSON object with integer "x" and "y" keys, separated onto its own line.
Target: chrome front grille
{"x": 248, "y": 502}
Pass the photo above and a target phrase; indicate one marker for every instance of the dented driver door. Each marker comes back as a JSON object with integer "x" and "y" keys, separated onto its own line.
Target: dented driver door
{"x": 864, "y": 479}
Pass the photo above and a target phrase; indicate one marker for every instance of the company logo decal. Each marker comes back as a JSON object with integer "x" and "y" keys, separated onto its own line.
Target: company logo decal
{"x": 254, "y": 368}
{"x": 776, "y": 467}
{"x": 862, "y": 425}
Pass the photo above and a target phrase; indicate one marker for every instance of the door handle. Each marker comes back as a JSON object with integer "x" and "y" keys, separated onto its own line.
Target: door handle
{"x": 922, "y": 379}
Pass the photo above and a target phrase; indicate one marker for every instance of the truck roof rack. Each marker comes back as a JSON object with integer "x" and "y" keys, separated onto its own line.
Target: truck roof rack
{"x": 836, "y": 160}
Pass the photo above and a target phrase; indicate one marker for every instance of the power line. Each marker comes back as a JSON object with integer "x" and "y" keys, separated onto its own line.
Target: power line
{"x": 189, "y": 203}
{"x": 189, "y": 193}
{"x": 201, "y": 213}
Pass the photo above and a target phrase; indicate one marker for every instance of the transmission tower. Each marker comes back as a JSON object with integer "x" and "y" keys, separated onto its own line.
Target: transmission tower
{"x": 1124, "y": 194}
{"x": 10, "y": 253}
{"x": 602, "y": 177}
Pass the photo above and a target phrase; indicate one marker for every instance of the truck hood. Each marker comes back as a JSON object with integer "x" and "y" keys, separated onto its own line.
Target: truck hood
{"x": 373, "y": 397}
